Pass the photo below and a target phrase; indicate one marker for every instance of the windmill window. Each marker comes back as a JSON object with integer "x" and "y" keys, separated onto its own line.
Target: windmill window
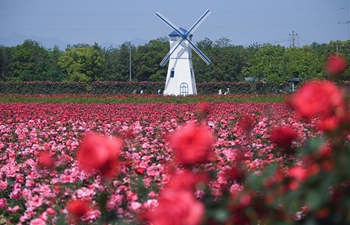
{"x": 183, "y": 88}
{"x": 172, "y": 73}
{"x": 191, "y": 73}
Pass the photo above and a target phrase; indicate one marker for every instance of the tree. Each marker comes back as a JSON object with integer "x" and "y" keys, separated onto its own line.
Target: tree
{"x": 53, "y": 71}
{"x": 223, "y": 42}
{"x": 345, "y": 51}
{"x": 229, "y": 61}
{"x": 5, "y": 62}
{"x": 126, "y": 51}
{"x": 147, "y": 59}
{"x": 110, "y": 70}
{"x": 302, "y": 63}
{"x": 267, "y": 62}
{"x": 202, "y": 72}
{"x": 320, "y": 49}
{"x": 82, "y": 64}
{"x": 28, "y": 62}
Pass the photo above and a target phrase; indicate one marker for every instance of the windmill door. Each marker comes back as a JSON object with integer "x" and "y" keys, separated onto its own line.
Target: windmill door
{"x": 183, "y": 88}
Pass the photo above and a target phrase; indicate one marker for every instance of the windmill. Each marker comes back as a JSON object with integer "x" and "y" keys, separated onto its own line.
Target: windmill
{"x": 180, "y": 79}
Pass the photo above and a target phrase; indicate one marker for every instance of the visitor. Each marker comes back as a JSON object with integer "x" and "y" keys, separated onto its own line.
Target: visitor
{"x": 227, "y": 91}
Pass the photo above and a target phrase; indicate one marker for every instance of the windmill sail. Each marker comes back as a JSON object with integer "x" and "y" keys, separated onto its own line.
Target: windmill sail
{"x": 198, "y": 22}
{"x": 199, "y": 53}
{"x": 180, "y": 78}
{"x": 184, "y": 36}
{"x": 167, "y": 57}
{"x": 169, "y": 23}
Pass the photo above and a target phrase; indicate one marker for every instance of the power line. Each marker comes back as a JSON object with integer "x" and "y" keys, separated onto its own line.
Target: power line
{"x": 269, "y": 42}
{"x": 304, "y": 41}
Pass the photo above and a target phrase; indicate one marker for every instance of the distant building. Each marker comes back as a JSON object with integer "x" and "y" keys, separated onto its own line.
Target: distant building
{"x": 293, "y": 82}
{"x": 250, "y": 79}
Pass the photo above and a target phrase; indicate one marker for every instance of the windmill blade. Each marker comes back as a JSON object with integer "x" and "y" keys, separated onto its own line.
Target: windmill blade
{"x": 167, "y": 57}
{"x": 199, "y": 52}
{"x": 198, "y": 22}
{"x": 170, "y": 24}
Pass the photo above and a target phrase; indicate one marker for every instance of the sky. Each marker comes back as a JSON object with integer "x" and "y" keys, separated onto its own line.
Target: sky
{"x": 244, "y": 22}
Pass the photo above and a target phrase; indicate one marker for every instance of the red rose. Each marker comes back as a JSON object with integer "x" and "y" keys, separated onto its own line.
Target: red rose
{"x": 336, "y": 64}
{"x": 77, "y": 209}
{"x": 192, "y": 144}
{"x": 318, "y": 98}
{"x": 236, "y": 173}
{"x": 283, "y": 136}
{"x": 176, "y": 207}
{"x": 246, "y": 124}
{"x": 203, "y": 109}
{"x": 45, "y": 159}
{"x": 187, "y": 180}
{"x": 329, "y": 124}
{"x": 97, "y": 152}
{"x": 298, "y": 173}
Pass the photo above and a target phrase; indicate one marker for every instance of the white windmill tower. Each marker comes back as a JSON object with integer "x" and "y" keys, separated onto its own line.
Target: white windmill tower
{"x": 180, "y": 79}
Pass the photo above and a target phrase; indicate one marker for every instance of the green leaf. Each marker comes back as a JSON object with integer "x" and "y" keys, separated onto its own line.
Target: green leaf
{"x": 312, "y": 145}
{"x": 61, "y": 220}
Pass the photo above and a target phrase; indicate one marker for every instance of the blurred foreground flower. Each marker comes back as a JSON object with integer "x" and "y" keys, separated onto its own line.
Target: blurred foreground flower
{"x": 203, "y": 109}
{"x": 246, "y": 124}
{"x": 97, "y": 152}
{"x": 45, "y": 159}
{"x": 192, "y": 144}
{"x": 322, "y": 98}
{"x": 176, "y": 207}
{"x": 77, "y": 209}
{"x": 335, "y": 65}
{"x": 283, "y": 136}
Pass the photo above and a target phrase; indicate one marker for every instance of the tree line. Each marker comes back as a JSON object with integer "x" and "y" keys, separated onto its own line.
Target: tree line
{"x": 31, "y": 61}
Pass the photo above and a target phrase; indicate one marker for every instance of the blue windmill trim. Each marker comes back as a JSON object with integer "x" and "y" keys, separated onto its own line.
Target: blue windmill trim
{"x": 185, "y": 36}
{"x": 175, "y": 34}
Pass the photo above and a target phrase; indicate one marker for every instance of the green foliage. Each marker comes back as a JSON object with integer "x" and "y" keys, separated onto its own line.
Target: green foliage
{"x": 147, "y": 58}
{"x": 125, "y": 87}
{"x": 53, "y": 71}
{"x": 267, "y": 62}
{"x": 135, "y": 99}
{"x": 230, "y": 63}
{"x": 83, "y": 64}
{"x": 109, "y": 87}
{"x": 204, "y": 73}
{"x": 43, "y": 88}
{"x": 302, "y": 63}
{"x": 28, "y": 62}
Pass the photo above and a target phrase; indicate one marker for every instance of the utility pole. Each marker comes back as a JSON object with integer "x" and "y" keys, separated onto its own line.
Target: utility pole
{"x": 348, "y": 17}
{"x": 337, "y": 43}
{"x": 292, "y": 39}
{"x": 130, "y": 61}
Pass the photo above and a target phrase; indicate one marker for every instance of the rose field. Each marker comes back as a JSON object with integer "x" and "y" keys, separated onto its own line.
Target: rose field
{"x": 29, "y": 191}
{"x": 190, "y": 160}
{"x": 32, "y": 192}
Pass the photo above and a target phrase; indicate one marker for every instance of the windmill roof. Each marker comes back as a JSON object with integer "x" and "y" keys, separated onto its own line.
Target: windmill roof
{"x": 174, "y": 33}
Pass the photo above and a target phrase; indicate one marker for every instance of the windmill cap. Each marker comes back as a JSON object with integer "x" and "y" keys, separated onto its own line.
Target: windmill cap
{"x": 174, "y": 33}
